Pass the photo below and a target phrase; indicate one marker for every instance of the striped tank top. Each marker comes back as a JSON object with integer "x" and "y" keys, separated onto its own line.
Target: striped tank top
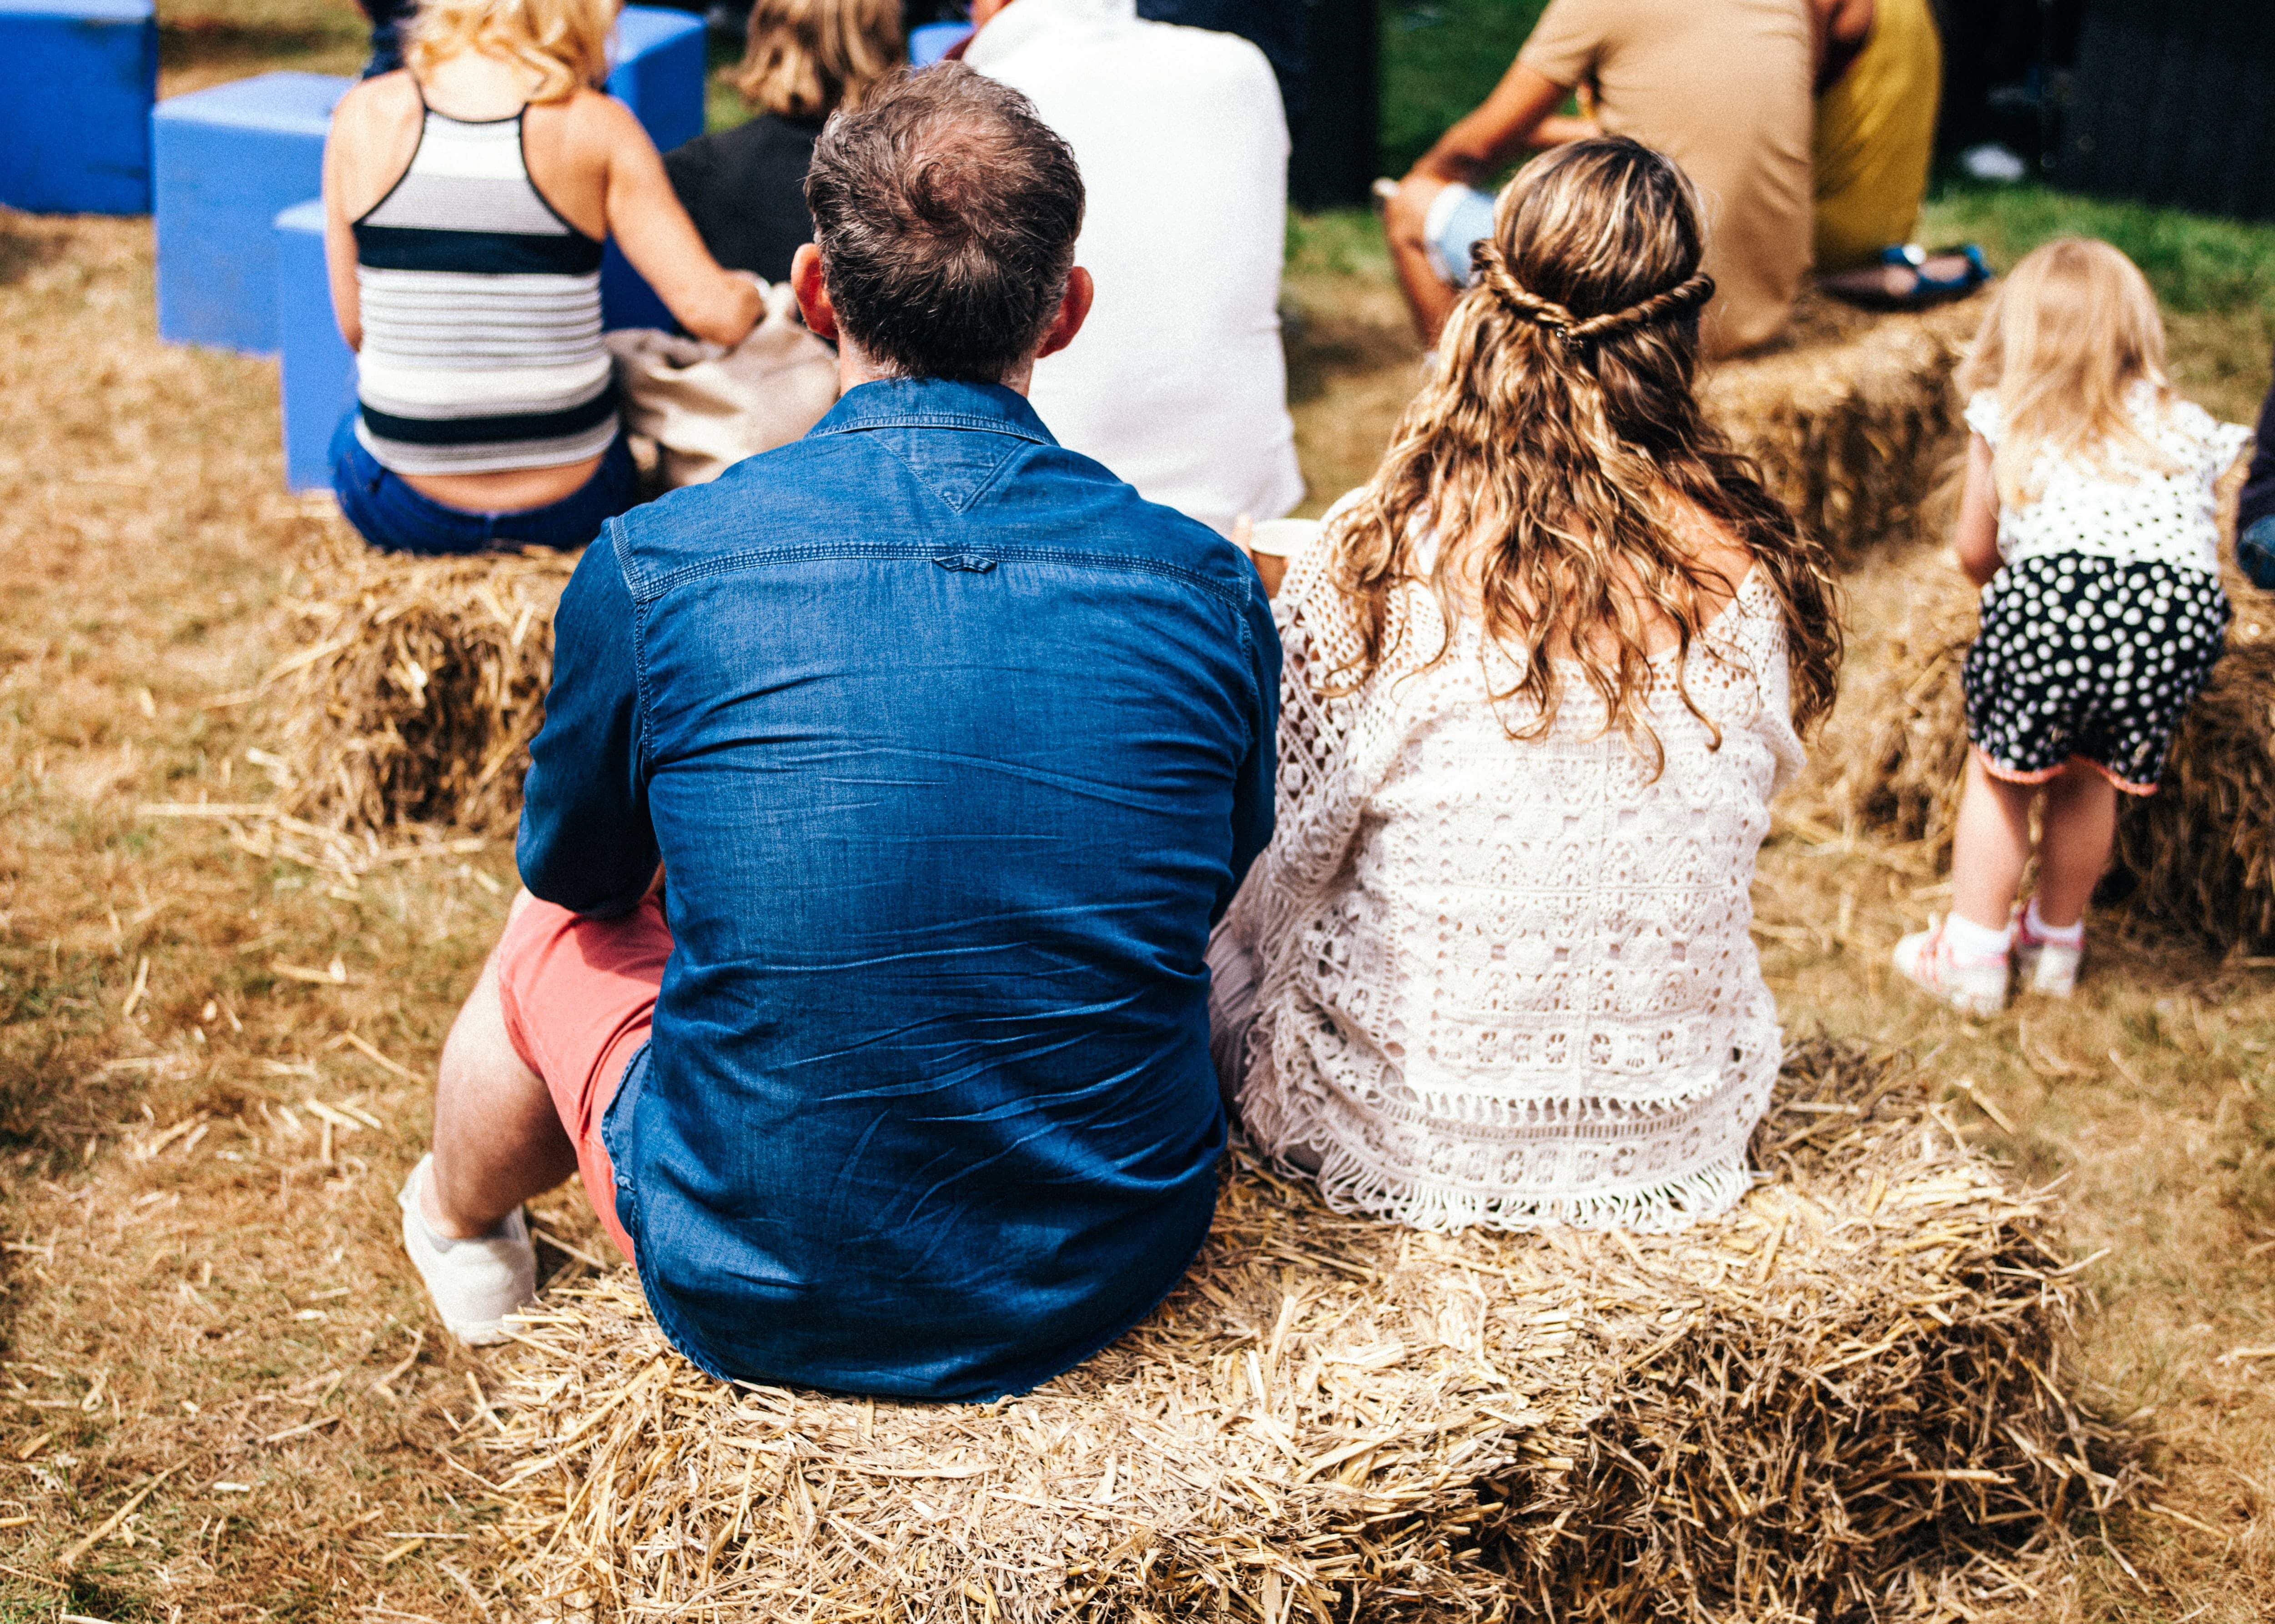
{"x": 481, "y": 314}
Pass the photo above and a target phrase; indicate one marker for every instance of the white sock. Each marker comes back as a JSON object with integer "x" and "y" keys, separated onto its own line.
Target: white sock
{"x": 1970, "y": 940}
{"x": 2059, "y": 936}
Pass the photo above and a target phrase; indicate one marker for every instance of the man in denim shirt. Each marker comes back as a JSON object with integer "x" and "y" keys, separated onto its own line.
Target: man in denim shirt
{"x": 952, "y": 748}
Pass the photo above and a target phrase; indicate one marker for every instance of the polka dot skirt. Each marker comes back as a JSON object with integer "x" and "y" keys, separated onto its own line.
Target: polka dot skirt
{"x": 2091, "y": 657}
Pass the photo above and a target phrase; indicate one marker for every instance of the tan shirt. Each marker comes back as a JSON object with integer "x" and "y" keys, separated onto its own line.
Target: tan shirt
{"x": 1721, "y": 87}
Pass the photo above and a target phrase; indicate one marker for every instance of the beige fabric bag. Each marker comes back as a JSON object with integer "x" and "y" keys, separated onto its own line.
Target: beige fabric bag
{"x": 708, "y": 408}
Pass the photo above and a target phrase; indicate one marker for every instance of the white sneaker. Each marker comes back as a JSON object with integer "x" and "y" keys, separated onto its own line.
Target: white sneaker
{"x": 1974, "y": 986}
{"x": 2043, "y": 966}
{"x": 475, "y": 1283}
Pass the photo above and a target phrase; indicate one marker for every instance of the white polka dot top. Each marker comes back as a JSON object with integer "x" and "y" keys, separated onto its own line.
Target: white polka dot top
{"x": 2124, "y": 510}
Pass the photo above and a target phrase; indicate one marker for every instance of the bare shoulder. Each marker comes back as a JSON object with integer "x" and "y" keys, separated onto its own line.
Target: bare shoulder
{"x": 596, "y": 124}
{"x": 374, "y": 133}
{"x": 378, "y": 106}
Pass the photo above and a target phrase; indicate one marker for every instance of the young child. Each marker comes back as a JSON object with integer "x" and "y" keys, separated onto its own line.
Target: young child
{"x": 2088, "y": 519}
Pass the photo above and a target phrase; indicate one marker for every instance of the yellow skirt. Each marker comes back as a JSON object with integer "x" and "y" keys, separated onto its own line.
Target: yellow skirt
{"x": 1876, "y": 138}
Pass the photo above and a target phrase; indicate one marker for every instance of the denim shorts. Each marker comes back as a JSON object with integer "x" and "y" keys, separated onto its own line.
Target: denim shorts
{"x": 1460, "y": 218}
{"x": 2255, "y": 553}
{"x": 395, "y": 518}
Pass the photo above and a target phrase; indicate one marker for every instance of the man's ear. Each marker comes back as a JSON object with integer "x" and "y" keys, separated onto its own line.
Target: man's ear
{"x": 1074, "y": 310}
{"x": 814, "y": 304}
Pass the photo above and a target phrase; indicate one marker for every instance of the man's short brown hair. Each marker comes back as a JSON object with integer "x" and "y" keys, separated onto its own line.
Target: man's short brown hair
{"x": 946, "y": 212}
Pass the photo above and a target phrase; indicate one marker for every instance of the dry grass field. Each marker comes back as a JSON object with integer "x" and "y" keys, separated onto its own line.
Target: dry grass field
{"x": 222, "y": 1396}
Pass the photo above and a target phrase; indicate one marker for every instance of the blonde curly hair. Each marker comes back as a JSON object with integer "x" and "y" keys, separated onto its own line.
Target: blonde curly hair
{"x": 565, "y": 42}
{"x": 1555, "y": 451}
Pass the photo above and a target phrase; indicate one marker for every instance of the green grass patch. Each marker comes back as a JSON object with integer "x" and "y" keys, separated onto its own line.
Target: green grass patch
{"x": 1337, "y": 242}
{"x": 2196, "y": 264}
{"x": 1440, "y": 57}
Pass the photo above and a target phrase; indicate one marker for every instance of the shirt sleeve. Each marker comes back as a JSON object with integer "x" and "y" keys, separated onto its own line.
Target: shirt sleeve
{"x": 586, "y": 842}
{"x": 2258, "y": 500}
{"x": 1567, "y": 41}
{"x": 1253, "y": 808}
{"x": 1982, "y": 415}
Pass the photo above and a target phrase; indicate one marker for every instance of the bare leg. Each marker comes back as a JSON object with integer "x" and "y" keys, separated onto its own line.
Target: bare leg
{"x": 1428, "y": 299}
{"x": 1989, "y": 847}
{"x": 2081, "y": 825}
{"x": 498, "y": 1140}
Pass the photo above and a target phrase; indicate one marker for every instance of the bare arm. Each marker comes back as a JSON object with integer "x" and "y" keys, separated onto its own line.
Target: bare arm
{"x": 646, "y": 218}
{"x": 1976, "y": 537}
{"x": 340, "y": 247}
{"x": 1841, "y": 28}
{"x": 1520, "y": 113}
{"x": 375, "y": 130}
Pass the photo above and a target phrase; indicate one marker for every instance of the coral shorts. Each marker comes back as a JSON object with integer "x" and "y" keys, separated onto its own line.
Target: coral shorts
{"x": 579, "y": 998}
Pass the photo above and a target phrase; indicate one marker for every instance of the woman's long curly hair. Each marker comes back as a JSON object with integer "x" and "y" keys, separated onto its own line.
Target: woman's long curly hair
{"x": 1559, "y": 445}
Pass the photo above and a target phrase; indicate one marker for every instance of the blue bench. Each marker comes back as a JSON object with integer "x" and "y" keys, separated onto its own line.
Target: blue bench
{"x": 318, "y": 378}
{"x": 931, "y": 41}
{"x": 659, "y": 71}
{"x": 227, "y": 159}
{"x": 659, "y": 74}
{"x": 77, "y": 79}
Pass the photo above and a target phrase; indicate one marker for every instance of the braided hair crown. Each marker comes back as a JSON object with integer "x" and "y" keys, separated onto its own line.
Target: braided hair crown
{"x": 1577, "y": 332}
{"x": 1594, "y": 241}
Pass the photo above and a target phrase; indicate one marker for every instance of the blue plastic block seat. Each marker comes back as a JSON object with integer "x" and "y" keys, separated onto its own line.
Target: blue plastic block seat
{"x": 319, "y": 374}
{"x": 228, "y": 160}
{"x": 658, "y": 72}
{"x": 931, "y": 41}
{"x": 77, "y": 81}
{"x": 657, "y": 69}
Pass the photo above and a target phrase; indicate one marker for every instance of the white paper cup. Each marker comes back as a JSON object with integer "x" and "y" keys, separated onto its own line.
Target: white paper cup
{"x": 1283, "y": 537}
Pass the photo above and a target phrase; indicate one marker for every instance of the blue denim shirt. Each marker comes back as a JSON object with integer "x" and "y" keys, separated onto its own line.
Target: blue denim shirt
{"x": 953, "y": 748}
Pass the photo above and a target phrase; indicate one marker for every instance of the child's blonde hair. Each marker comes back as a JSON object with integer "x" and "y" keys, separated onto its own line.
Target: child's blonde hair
{"x": 565, "y": 42}
{"x": 807, "y": 58}
{"x": 2071, "y": 329}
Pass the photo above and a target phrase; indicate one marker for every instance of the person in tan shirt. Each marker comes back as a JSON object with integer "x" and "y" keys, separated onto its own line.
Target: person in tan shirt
{"x": 1724, "y": 88}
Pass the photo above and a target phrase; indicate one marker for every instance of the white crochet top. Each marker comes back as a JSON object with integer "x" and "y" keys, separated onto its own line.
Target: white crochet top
{"x": 1508, "y": 982}
{"x": 2124, "y": 510}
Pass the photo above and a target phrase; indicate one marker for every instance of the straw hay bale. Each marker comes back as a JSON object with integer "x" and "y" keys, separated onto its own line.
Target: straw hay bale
{"x": 1852, "y": 418}
{"x": 420, "y": 681}
{"x": 1890, "y": 755}
{"x": 416, "y": 691}
{"x": 2197, "y": 856}
{"x": 1822, "y": 1405}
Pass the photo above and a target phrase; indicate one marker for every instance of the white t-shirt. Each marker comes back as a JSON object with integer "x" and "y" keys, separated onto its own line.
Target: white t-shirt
{"x": 1177, "y": 383}
{"x": 2124, "y": 510}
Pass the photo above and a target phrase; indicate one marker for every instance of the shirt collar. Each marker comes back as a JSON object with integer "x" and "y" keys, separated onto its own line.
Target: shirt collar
{"x": 1026, "y": 20}
{"x": 935, "y": 402}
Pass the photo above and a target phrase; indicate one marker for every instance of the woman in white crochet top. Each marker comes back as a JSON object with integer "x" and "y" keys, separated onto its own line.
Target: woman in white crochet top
{"x": 1543, "y": 674}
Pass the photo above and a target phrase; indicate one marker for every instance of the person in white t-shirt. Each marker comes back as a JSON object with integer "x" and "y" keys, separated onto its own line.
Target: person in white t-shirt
{"x": 1178, "y": 385}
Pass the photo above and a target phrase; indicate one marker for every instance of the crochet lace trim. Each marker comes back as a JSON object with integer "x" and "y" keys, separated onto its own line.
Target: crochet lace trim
{"x": 1511, "y": 982}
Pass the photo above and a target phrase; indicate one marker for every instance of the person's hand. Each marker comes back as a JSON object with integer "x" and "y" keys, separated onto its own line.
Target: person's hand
{"x": 1270, "y": 566}
{"x": 1406, "y": 214}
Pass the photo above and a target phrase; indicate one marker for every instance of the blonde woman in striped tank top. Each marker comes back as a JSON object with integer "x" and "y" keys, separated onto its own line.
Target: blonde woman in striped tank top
{"x": 466, "y": 197}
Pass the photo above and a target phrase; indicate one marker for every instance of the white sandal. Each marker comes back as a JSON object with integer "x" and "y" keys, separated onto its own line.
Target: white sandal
{"x": 475, "y": 1283}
